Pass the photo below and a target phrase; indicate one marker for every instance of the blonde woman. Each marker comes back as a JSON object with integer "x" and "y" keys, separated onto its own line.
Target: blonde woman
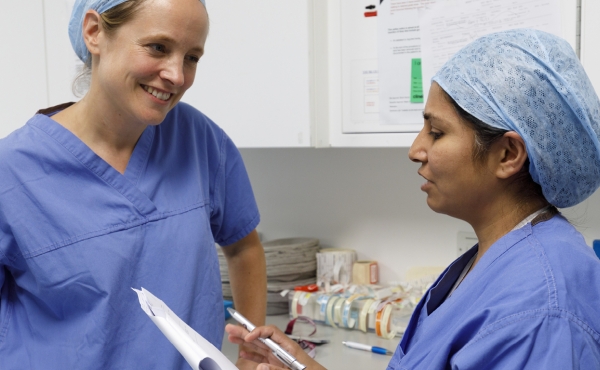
{"x": 126, "y": 188}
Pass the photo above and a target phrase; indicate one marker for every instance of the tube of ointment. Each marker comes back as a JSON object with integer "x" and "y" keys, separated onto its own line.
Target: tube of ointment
{"x": 279, "y": 352}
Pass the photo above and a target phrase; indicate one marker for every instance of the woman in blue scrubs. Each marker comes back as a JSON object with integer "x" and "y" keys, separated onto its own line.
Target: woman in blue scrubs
{"x": 511, "y": 132}
{"x": 126, "y": 188}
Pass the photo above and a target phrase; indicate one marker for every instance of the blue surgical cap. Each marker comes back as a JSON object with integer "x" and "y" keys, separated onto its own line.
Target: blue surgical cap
{"x": 531, "y": 82}
{"x": 76, "y": 23}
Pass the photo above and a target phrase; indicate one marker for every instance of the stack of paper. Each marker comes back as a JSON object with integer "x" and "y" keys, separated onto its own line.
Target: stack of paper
{"x": 197, "y": 351}
{"x": 290, "y": 262}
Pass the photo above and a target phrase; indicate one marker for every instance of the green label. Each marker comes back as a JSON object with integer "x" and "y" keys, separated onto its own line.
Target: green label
{"x": 416, "y": 82}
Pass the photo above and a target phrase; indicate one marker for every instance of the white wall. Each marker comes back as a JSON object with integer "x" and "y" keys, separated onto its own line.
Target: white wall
{"x": 22, "y": 64}
{"x": 366, "y": 199}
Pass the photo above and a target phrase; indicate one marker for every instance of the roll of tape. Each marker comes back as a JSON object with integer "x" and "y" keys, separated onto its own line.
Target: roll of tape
{"x": 364, "y": 312}
{"x": 295, "y": 304}
{"x": 347, "y": 320}
{"x": 337, "y": 311}
{"x": 386, "y": 324}
{"x": 372, "y": 314}
{"x": 378, "y": 322}
{"x": 365, "y": 272}
{"x": 330, "y": 307}
{"x": 322, "y": 302}
{"x": 334, "y": 265}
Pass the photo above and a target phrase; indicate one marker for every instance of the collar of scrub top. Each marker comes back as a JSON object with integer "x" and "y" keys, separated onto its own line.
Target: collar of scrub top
{"x": 76, "y": 22}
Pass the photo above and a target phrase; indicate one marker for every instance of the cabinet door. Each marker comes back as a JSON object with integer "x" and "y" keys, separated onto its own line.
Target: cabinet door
{"x": 23, "y": 63}
{"x": 254, "y": 78}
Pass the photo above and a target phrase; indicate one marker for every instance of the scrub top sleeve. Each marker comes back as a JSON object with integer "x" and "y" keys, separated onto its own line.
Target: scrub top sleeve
{"x": 555, "y": 341}
{"x": 234, "y": 210}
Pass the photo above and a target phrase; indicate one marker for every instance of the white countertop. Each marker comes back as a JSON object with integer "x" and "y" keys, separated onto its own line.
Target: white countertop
{"x": 334, "y": 355}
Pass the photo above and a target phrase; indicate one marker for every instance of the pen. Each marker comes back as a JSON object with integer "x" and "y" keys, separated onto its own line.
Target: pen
{"x": 364, "y": 347}
{"x": 279, "y": 352}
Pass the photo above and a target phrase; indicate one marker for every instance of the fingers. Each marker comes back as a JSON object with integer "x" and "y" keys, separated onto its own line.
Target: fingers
{"x": 253, "y": 356}
{"x": 236, "y": 330}
{"x": 275, "y": 335}
{"x": 269, "y": 331}
{"x": 269, "y": 367}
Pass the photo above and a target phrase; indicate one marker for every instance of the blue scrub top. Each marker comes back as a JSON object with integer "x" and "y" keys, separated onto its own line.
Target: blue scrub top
{"x": 532, "y": 302}
{"x": 76, "y": 235}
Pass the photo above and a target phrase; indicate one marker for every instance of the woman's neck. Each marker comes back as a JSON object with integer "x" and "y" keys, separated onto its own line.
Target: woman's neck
{"x": 110, "y": 137}
{"x": 500, "y": 220}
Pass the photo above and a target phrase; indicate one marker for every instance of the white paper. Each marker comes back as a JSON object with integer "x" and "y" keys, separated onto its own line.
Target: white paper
{"x": 360, "y": 81}
{"x": 448, "y": 26}
{"x": 197, "y": 351}
{"x": 399, "y": 42}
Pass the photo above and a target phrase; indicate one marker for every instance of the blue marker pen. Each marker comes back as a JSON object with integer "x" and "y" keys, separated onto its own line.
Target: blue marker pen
{"x": 364, "y": 347}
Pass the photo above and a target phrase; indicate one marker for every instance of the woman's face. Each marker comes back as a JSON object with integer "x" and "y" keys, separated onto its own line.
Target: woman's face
{"x": 144, "y": 67}
{"x": 455, "y": 184}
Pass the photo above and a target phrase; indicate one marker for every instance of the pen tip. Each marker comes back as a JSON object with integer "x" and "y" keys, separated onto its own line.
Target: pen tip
{"x": 230, "y": 310}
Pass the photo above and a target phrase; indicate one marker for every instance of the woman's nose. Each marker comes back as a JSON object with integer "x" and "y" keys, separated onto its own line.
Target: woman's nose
{"x": 173, "y": 72}
{"x": 417, "y": 152}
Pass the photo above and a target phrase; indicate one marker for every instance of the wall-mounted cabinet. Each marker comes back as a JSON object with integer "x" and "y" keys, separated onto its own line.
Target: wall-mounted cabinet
{"x": 273, "y": 75}
{"x": 255, "y": 79}
{"x": 276, "y": 74}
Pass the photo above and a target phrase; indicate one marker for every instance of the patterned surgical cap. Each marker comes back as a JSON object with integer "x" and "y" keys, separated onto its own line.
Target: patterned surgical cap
{"x": 76, "y": 23}
{"x": 531, "y": 82}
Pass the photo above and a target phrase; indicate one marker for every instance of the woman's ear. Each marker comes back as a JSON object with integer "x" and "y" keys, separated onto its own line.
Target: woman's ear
{"x": 91, "y": 31}
{"x": 511, "y": 155}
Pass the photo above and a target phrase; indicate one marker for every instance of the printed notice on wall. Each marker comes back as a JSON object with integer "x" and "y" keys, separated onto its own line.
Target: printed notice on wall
{"x": 399, "y": 56}
{"x": 448, "y": 26}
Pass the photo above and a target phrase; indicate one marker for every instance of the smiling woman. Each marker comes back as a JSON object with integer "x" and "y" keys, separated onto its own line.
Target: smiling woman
{"x": 126, "y": 188}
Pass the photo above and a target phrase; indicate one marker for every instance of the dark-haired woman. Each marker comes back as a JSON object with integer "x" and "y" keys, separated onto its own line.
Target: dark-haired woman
{"x": 511, "y": 133}
{"x": 126, "y": 188}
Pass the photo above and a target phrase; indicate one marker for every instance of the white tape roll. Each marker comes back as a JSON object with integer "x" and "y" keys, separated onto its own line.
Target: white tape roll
{"x": 362, "y": 319}
{"x": 334, "y": 265}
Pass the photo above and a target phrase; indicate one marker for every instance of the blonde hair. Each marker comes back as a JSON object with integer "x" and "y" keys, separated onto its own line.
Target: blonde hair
{"x": 110, "y": 21}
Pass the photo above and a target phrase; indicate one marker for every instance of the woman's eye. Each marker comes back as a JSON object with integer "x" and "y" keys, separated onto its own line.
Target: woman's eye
{"x": 435, "y": 135}
{"x": 158, "y": 47}
{"x": 192, "y": 58}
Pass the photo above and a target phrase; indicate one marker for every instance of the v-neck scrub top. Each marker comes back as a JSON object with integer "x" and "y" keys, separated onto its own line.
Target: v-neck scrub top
{"x": 532, "y": 302}
{"x": 76, "y": 235}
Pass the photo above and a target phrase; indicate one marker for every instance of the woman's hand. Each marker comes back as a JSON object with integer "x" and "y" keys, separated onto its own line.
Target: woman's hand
{"x": 262, "y": 354}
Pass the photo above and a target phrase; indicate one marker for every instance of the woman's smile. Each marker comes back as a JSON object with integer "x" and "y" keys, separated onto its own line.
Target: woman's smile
{"x": 159, "y": 94}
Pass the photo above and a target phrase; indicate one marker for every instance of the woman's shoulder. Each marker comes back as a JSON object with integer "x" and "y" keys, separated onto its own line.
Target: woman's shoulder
{"x": 22, "y": 150}
{"x": 187, "y": 130}
{"x": 572, "y": 267}
{"x": 21, "y": 141}
{"x": 549, "y": 272}
{"x": 563, "y": 248}
{"x": 546, "y": 268}
{"x": 187, "y": 117}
